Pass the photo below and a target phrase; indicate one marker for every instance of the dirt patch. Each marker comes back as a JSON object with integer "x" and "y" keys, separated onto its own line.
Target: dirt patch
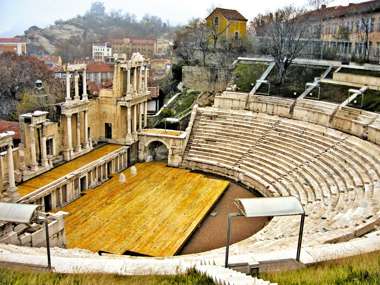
{"x": 211, "y": 233}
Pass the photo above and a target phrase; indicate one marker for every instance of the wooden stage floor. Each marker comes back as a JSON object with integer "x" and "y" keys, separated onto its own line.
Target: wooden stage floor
{"x": 64, "y": 169}
{"x": 152, "y": 214}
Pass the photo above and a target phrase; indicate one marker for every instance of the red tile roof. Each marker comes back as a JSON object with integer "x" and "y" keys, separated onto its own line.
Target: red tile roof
{"x": 229, "y": 14}
{"x": 99, "y": 67}
{"x": 134, "y": 40}
{"x": 350, "y": 9}
{"x": 11, "y": 40}
{"x": 10, "y": 126}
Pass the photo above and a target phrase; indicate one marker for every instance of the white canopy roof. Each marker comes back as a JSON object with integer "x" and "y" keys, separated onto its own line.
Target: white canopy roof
{"x": 269, "y": 207}
{"x": 18, "y": 213}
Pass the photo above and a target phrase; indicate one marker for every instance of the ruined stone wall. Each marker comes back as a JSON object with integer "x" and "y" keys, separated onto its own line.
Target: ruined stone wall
{"x": 360, "y": 123}
{"x": 202, "y": 78}
{"x": 364, "y": 80}
{"x": 34, "y": 235}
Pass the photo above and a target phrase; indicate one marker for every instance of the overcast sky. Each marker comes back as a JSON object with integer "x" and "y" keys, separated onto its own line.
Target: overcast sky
{"x": 18, "y": 15}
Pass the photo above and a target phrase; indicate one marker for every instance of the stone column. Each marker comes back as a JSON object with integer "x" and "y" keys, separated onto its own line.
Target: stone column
{"x": 128, "y": 80}
{"x": 134, "y": 118}
{"x": 84, "y": 75}
{"x": 135, "y": 80}
{"x": 129, "y": 120}
{"x": 2, "y": 174}
{"x": 69, "y": 136}
{"x": 146, "y": 79}
{"x": 140, "y": 116}
{"x": 140, "y": 80}
{"x": 33, "y": 155}
{"x": 44, "y": 161}
{"x": 68, "y": 96}
{"x": 76, "y": 86}
{"x": 11, "y": 175}
{"x": 86, "y": 144}
{"x": 78, "y": 146}
{"x": 146, "y": 114}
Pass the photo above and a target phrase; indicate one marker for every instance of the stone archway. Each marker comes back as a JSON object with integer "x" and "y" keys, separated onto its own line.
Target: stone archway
{"x": 173, "y": 143}
{"x": 157, "y": 151}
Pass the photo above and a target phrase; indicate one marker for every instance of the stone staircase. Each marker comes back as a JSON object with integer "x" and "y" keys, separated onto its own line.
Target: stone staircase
{"x": 225, "y": 276}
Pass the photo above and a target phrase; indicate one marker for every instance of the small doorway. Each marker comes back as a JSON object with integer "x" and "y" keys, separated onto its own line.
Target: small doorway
{"x": 108, "y": 130}
{"x": 109, "y": 169}
{"x": 47, "y": 203}
{"x": 49, "y": 146}
{"x": 83, "y": 183}
{"x": 100, "y": 174}
{"x": 157, "y": 151}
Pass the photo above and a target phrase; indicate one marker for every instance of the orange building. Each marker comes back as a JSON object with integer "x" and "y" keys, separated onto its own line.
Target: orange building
{"x": 15, "y": 45}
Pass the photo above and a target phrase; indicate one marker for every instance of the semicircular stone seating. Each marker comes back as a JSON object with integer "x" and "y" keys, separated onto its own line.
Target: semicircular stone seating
{"x": 336, "y": 176}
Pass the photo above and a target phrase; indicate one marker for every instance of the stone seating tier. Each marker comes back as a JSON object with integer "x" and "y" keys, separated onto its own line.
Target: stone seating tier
{"x": 333, "y": 174}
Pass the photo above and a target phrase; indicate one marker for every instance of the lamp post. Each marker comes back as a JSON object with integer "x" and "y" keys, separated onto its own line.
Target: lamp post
{"x": 44, "y": 218}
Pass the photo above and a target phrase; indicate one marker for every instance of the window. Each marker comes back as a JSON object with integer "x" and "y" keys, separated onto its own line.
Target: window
{"x": 108, "y": 130}
{"x": 236, "y": 36}
{"x": 216, "y": 21}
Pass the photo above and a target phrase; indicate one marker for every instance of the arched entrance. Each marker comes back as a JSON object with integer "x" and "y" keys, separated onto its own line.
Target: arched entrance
{"x": 157, "y": 151}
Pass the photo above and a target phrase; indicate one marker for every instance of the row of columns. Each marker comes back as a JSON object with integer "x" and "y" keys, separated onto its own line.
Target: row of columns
{"x": 76, "y": 85}
{"x": 95, "y": 176}
{"x": 142, "y": 109}
{"x": 69, "y": 142}
{"x": 138, "y": 84}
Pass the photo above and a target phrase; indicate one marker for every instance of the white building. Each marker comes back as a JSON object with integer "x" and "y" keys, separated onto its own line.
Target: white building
{"x": 101, "y": 51}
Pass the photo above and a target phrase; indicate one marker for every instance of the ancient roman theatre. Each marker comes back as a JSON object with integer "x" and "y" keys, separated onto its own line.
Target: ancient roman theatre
{"x": 114, "y": 208}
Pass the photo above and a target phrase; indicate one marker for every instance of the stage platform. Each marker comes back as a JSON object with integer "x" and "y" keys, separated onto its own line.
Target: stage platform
{"x": 64, "y": 169}
{"x": 153, "y": 213}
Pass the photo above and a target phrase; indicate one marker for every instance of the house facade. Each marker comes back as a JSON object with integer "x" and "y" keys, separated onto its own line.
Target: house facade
{"x": 101, "y": 51}
{"x": 228, "y": 24}
{"x": 351, "y": 31}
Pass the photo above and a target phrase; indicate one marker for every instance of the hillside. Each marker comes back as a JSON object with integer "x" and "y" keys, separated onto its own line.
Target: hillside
{"x": 72, "y": 38}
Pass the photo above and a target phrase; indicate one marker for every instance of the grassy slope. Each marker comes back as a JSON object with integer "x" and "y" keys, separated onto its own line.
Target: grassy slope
{"x": 32, "y": 278}
{"x": 363, "y": 270}
{"x": 246, "y": 74}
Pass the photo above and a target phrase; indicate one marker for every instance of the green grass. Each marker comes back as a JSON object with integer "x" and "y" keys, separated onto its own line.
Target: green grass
{"x": 371, "y": 101}
{"x": 296, "y": 78}
{"x": 18, "y": 277}
{"x": 358, "y": 270}
{"x": 246, "y": 74}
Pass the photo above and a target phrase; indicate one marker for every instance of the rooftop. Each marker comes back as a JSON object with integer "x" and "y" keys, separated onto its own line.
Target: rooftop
{"x": 348, "y": 10}
{"x": 10, "y": 126}
{"x": 12, "y": 40}
{"x": 99, "y": 67}
{"x": 229, "y": 14}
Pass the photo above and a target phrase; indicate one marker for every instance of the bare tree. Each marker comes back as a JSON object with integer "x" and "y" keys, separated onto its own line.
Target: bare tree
{"x": 364, "y": 28}
{"x": 192, "y": 39}
{"x": 316, "y": 4}
{"x": 284, "y": 35}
